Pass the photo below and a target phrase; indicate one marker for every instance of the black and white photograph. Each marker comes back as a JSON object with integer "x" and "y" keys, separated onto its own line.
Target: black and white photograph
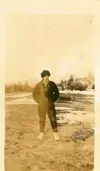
{"x": 49, "y": 90}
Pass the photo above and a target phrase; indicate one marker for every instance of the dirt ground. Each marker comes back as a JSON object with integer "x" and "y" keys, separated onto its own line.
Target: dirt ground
{"x": 74, "y": 151}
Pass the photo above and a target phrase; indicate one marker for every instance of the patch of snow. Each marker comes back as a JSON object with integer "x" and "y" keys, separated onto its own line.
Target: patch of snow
{"x": 62, "y": 108}
{"x": 20, "y": 101}
{"x": 19, "y": 95}
{"x": 70, "y": 118}
{"x": 78, "y": 92}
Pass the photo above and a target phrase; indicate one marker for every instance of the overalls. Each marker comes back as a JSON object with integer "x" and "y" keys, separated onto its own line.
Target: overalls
{"x": 46, "y": 106}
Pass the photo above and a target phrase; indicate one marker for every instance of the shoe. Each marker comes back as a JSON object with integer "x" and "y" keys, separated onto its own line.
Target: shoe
{"x": 56, "y": 136}
{"x": 41, "y": 135}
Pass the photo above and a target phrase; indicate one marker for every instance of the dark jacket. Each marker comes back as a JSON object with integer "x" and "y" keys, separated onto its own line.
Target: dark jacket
{"x": 52, "y": 92}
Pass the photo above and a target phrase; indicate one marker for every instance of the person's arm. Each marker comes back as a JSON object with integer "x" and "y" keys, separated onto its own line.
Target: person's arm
{"x": 35, "y": 93}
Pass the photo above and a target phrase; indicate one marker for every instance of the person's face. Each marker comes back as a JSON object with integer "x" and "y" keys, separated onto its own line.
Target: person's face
{"x": 46, "y": 78}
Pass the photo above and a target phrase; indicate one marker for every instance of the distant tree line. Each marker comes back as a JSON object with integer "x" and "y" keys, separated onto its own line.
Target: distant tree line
{"x": 70, "y": 84}
{"x": 75, "y": 84}
{"x": 18, "y": 87}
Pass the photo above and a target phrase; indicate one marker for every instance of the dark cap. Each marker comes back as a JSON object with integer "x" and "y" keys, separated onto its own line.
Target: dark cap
{"x": 45, "y": 73}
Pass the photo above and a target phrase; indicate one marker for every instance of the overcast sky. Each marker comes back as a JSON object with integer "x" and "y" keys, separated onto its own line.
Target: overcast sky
{"x": 63, "y": 44}
{"x": 60, "y": 43}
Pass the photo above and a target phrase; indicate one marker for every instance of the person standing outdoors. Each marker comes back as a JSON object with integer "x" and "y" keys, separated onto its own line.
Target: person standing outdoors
{"x": 45, "y": 93}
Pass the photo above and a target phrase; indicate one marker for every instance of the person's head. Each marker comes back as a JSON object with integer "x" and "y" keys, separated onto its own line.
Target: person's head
{"x": 45, "y": 74}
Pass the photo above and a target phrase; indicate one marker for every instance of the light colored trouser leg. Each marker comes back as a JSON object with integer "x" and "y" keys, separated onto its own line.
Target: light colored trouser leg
{"x": 42, "y": 117}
